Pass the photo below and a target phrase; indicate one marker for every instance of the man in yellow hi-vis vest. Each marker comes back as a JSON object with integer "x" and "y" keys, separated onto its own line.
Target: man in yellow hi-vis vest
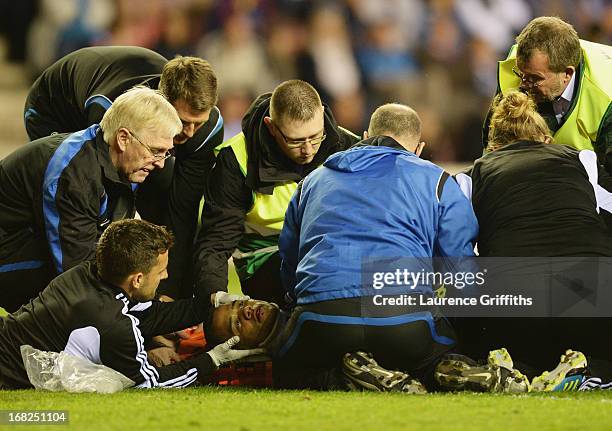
{"x": 570, "y": 80}
{"x": 285, "y": 135}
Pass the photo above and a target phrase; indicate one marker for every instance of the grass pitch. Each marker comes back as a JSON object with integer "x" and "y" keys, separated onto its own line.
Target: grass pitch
{"x": 243, "y": 409}
{"x": 212, "y": 408}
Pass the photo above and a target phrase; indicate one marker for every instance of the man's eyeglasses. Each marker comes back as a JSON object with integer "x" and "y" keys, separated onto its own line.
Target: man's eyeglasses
{"x": 297, "y": 143}
{"x": 157, "y": 154}
{"x": 527, "y": 81}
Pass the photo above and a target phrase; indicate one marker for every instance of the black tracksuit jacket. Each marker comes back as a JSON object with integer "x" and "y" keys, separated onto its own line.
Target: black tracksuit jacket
{"x": 81, "y": 314}
{"x": 74, "y": 93}
{"x": 534, "y": 199}
{"x": 58, "y": 194}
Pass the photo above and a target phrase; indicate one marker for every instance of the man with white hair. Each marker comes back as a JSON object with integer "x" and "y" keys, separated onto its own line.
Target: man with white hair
{"x": 74, "y": 93}
{"x": 59, "y": 193}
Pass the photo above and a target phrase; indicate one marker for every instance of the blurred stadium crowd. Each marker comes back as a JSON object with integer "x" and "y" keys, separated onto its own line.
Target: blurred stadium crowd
{"x": 439, "y": 56}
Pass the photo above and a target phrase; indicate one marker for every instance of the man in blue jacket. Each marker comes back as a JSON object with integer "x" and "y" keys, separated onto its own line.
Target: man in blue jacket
{"x": 377, "y": 202}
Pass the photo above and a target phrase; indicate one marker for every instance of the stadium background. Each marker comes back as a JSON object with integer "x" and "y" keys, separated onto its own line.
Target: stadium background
{"x": 438, "y": 56}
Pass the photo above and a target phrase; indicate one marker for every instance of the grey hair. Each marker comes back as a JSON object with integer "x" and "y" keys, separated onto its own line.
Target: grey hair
{"x": 141, "y": 108}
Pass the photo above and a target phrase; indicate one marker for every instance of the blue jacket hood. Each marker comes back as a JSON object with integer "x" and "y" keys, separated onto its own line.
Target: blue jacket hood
{"x": 365, "y": 154}
{"x": 370, "y": 204}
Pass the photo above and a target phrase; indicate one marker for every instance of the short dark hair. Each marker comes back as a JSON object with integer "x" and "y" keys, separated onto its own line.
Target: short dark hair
{"x": 130, "y": 246}
{"x": 191, "y": 79}
{"x": 395, "y": 119}
{"x": 553, "y": 37}
{"x": 294, "y": 100}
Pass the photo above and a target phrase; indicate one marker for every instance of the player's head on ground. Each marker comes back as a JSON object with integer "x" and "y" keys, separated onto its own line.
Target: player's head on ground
{"x": 139, "y": 128}
{"x": 548, "y": 54}
{"x": 190, "y": 84}
{"x": 133, "y": 255}
{"x": 515, "y": 118}
{"x": 296, "y": 120}
{"x": 253, "y": 320}
{"x": 399, "y": 122}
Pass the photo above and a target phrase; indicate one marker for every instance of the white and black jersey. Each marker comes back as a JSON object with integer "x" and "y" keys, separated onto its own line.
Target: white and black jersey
{"x": 85, "y": 316}
{"x": 535, "y": 199}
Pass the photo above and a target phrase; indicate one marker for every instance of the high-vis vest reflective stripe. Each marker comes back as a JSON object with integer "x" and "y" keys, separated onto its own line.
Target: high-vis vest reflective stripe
{"x": 264, "y": 220}
{"x": 581, "y": 127}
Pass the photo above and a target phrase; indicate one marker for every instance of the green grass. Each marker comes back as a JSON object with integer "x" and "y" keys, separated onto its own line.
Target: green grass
{"x": 241, "y": 409}
{"x": 209, "y": 408}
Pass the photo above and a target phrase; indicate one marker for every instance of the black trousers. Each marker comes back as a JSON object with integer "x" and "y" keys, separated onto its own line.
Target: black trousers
{"x": 536, "y": 343}
{"x": 316, "y": 337}
{"x": 25, "y": 268}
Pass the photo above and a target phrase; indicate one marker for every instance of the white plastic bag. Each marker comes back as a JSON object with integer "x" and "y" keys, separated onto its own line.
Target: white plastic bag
{"x": 62, "y": 371}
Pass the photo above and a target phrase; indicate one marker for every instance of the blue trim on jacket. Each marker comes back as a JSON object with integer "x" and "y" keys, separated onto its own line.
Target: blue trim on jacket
{"x": 98, "y": 99}
{"x": 62, "y": 157}
{"x": 20, "y": 266}
{"x": 369, "y": 204}
{"x": 29, "y": 113}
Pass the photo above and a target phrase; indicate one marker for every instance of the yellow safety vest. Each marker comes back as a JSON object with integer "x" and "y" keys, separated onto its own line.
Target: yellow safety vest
{"x": 594, "y": 96}
{"x": 264, "y": 220}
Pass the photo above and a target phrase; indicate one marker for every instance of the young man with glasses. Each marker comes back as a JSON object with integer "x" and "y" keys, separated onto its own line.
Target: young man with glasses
{"x": 570, "y": 81}
{"x": 58, "y": 193}
{"x": 286, "y": 135}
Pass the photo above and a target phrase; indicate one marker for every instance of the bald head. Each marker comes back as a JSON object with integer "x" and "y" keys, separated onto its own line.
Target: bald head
{"x": 397, "y": 121}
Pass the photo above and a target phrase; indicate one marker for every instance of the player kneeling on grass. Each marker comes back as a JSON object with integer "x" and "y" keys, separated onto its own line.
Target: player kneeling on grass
{"x": 103, "y": 311}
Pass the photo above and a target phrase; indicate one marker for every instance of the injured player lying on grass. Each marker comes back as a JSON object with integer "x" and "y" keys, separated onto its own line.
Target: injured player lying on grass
{"x": 261, "y": 324}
